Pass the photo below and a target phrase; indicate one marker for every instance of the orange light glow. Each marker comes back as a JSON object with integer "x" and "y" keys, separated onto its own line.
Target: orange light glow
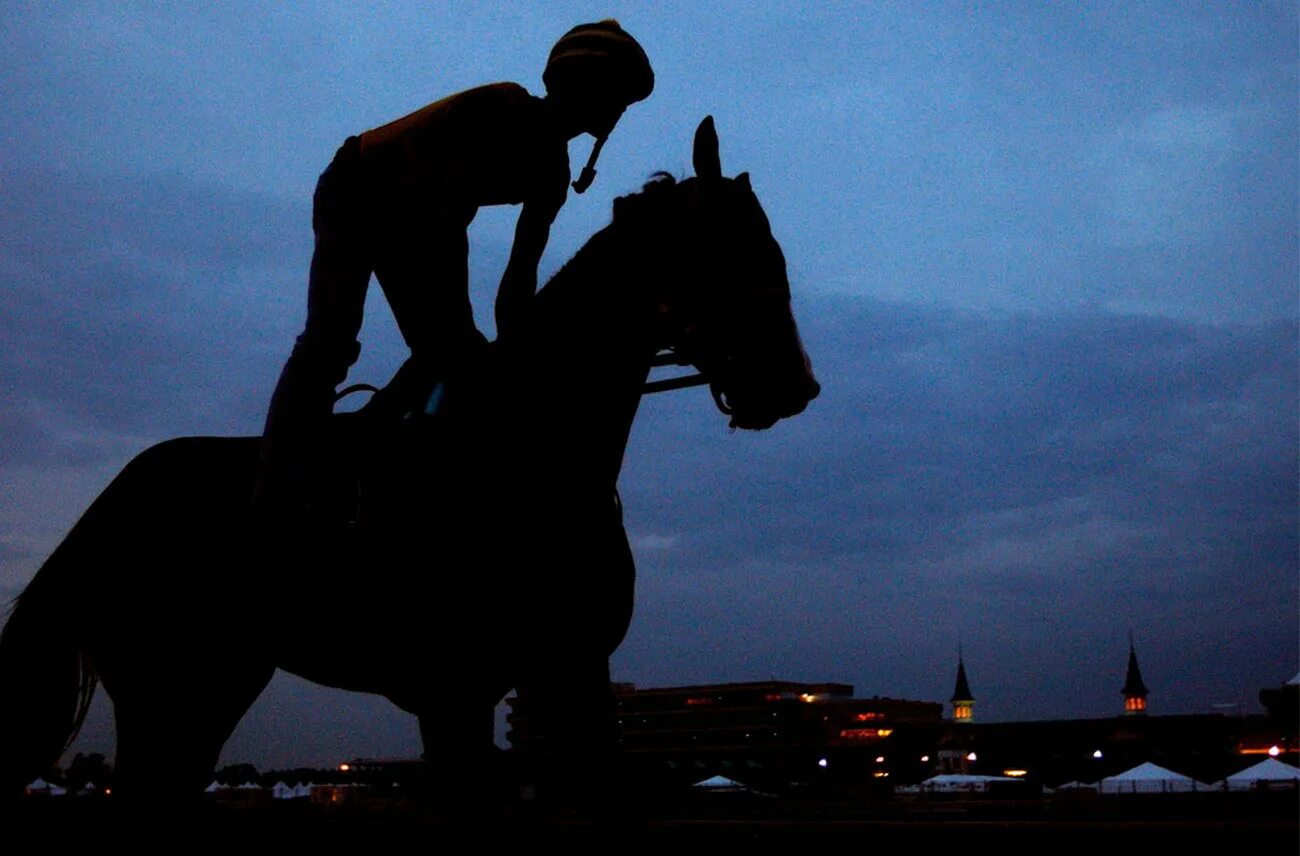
{"x": 1014, "y": 773}
{"x": 864, "y": 733}
{"x": 868, "y": 716}
{"x": 343, "y": 768}
{"x": 691, "y": 702}
{"x": 1134, "y": 704}
{"x": 1272, "y": 751}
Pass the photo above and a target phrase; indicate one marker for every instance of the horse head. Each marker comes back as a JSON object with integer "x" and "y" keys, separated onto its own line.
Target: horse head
{"x": 728, "y": 312}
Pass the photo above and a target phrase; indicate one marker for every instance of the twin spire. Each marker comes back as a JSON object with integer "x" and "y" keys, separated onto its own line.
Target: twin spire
{"x": 1135, "y": 691}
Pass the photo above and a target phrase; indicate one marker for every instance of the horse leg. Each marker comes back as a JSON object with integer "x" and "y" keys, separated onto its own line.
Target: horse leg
{"x": 170, "y": 732}
{"x": 570, "y": 706}
{"x": 462, "y": 761}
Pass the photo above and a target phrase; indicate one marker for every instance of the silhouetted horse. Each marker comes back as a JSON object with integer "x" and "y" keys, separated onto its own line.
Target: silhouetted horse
{"x": 489, "y": 552}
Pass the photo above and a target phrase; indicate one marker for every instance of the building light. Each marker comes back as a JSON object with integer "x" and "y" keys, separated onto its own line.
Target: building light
{"x": 807, "y": 697}
{"x": 823, "y": 763}
{"x": 1272, "y": 751}
{"x": 691, "y": 702}
{"x": 971, "y": 757}
{"x": 868, "y": 716}
{"x": 880, "y": 759}
{"x": 880, "y": 774}
{"x": 864, "y": 733}
{"x": 343, "y": 768}
{"x": 1014, "y": 773}
{"x": 1096, "y": 754}
{"x": 925, "y": 759}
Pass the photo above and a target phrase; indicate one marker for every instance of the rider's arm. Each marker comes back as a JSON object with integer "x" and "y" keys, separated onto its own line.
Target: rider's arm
{"x": 519, "y": 282}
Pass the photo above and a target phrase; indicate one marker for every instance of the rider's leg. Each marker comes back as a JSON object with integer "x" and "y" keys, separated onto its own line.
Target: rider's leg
{"x": 303, "y": 400}
{"x": 422, "y": 266}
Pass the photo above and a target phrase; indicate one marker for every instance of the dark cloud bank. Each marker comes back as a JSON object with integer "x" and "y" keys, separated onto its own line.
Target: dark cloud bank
{"x": 1032, "y": 485}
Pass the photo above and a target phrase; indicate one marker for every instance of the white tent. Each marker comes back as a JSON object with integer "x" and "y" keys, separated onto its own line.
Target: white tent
{"x": 214, "y": 787}
{"x": 1149, "y": 778}
{"x": 951, "y": 783}
{"x": 44, "y": 788}
{"x": 301, "y": 791}
{"x": 719, "y": 783}
{"x": 1074, "y": 786}
{"x": 281, "y": 791}
{"x": 1267, "y": 773}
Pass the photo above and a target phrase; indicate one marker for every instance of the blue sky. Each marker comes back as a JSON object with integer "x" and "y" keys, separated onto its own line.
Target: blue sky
{"x": 1045, "y": 262}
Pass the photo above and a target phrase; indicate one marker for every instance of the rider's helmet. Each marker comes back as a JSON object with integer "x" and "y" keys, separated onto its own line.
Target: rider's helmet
{"x": 599, "y": 57}
{"x": 601, "y": 65}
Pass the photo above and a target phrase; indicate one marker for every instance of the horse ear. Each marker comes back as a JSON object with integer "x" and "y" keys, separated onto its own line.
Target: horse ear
{"x": 707, "y": 163}
{"x": 743, "y": 181}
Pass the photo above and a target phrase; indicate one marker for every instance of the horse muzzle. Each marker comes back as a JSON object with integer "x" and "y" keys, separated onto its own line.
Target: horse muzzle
{"x": 756, "y": 405}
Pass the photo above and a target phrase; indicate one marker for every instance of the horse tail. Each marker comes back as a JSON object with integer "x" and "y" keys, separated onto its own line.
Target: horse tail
{"x": 46, "y": 680}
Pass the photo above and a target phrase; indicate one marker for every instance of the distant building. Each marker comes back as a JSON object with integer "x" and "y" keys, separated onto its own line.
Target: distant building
{"x": 768, "y": 733}
{"x": 1135, "y": 692}
{"x": 963, "y": 700}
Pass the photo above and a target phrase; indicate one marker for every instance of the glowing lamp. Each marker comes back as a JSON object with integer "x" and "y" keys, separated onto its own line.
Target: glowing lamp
{"x": 971, "y": 757}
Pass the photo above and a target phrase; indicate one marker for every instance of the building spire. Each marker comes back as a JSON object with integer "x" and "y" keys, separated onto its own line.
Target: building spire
{"x": 1135, "y": 692}
{"x": 963, "y": 700}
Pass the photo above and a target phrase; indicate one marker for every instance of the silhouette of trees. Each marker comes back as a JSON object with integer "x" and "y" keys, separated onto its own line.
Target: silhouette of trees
{"x": 238, "y": 774}
{"x": 88, "y": 769}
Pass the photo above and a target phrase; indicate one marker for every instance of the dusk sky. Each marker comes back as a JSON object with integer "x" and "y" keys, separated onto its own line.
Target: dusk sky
{"x": 1044, "y": 259}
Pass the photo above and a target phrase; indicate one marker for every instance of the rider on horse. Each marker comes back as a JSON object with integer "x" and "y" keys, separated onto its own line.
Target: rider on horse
{"x": 397, "y": 201}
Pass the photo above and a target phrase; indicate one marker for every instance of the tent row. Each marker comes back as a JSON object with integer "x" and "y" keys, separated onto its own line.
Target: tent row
{"x": 279, "y": 790}
{"x": 1145, "y": 778}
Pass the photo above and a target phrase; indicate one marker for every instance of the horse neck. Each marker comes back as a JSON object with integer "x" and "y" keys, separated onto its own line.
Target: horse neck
{"x": 575, "y": 373}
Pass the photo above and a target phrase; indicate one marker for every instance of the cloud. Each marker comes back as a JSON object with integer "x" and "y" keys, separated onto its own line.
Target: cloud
{"x": 986, "y": 475}
{"x": 144, "y": 306}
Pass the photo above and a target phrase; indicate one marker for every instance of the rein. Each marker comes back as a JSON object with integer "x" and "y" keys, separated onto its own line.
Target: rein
{"x": 669, "y": 358}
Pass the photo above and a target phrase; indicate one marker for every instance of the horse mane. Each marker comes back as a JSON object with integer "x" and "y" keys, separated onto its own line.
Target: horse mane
{"x": 631, "y": 212}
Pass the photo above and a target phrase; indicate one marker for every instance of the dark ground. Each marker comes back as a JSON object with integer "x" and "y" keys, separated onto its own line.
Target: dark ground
{"x": 1196, "y": 821}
